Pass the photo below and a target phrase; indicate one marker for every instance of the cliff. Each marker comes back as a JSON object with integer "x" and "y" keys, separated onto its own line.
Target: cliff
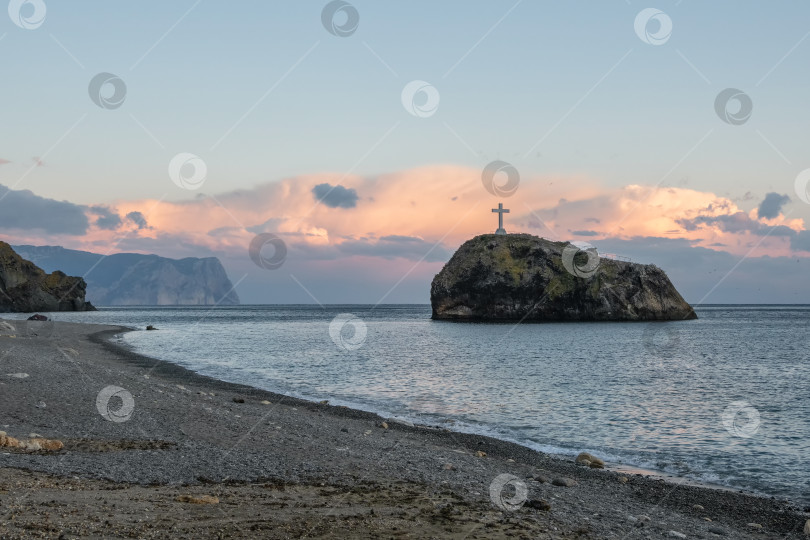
{"x": 523, "y": 277}
{"x": 25, "y": 288}
{"x": 131, "y": 279}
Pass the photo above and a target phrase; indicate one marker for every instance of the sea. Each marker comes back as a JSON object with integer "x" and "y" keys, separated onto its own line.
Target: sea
{"x": 724, "y": 399}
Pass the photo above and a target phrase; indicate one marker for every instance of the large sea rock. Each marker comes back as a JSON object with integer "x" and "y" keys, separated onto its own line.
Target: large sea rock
{"x": 24, "y": 287}
{"x": 517, "y": 277}
{"x": 133, "y": 279}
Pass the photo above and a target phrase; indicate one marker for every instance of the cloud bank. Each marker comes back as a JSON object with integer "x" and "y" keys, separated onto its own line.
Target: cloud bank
{"x": 409, "y": 223}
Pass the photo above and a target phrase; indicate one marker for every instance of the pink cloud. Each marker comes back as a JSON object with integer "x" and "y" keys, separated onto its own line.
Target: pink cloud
{"x": 413, "y": 210}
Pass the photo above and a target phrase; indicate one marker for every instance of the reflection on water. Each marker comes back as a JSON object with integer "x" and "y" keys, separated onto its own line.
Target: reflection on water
{"x": 649, "y": 395}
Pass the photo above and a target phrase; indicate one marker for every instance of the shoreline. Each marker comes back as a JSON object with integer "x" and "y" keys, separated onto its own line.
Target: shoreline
{"x": 234, "y": 438}
{"x": 104, "y": 338}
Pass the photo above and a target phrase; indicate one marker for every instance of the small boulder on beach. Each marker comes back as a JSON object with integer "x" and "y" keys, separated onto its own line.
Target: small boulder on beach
{"x": 564, "y": 482}
{"x": 587, "y": 460}
{"x": 538, "y": 504}
{"x": 542, "y": 478}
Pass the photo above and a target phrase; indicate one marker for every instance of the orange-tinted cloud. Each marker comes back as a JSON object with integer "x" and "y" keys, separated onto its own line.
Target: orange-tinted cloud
{"x": 408, "y": 213}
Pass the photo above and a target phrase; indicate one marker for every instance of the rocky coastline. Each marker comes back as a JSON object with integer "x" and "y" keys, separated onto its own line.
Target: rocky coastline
{"x": 26, "y": 288}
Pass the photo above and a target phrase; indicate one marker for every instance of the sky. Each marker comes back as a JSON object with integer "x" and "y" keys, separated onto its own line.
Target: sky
{"x": 358, "y": 134}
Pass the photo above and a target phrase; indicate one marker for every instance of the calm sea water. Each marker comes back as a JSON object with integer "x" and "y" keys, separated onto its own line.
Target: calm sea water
{"x": 723, "y": 399}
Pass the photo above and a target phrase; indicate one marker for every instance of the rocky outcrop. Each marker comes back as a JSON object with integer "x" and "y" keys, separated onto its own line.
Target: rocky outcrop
{"x": 24, "y": 287}
{"x": 522, "y": 277}
{"x": 132, "y": 279}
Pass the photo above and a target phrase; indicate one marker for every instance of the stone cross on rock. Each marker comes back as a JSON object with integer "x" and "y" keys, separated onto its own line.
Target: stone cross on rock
{"x": 500, "y": 211}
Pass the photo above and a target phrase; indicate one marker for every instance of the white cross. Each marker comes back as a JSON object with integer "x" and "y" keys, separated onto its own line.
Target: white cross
{"x": 500, "y": 211}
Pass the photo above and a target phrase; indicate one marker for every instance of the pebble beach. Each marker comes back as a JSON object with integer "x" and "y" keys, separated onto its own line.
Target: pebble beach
{"x": 150, "y": 449}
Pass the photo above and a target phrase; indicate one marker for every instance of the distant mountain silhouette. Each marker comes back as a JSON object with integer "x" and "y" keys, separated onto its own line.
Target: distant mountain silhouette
{"x": 132, "y": 279}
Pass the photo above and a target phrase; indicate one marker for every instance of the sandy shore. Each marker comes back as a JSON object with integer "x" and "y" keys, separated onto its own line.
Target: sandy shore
{"x": 269, "y": 466}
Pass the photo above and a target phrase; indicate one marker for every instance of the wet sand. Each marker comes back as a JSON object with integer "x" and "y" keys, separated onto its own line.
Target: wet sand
{"x": 137, "y": 457}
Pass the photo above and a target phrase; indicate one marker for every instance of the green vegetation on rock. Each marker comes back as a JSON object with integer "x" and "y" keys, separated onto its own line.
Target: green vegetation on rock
{"x": 523, "y": 277}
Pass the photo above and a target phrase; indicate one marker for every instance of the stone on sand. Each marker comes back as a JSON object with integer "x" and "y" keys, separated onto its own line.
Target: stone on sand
{"x": 588, "y": 460}
{"x": 542, "y": 478}
{"x": 807, "y": 528}
{"x": 564, "y": 482}
{"x": 538, "y": 504}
